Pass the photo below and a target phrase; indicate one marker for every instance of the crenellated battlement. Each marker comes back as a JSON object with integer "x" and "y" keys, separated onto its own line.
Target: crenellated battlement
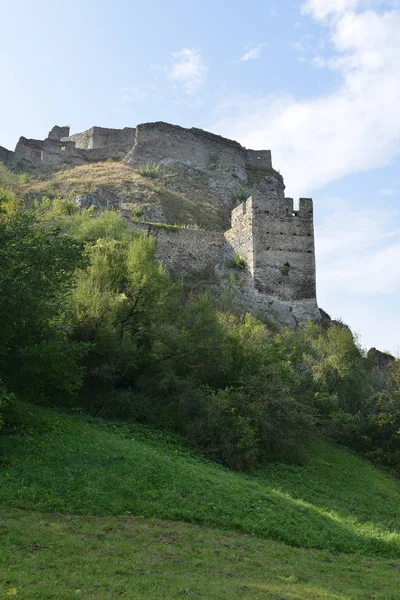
{"x": 278, "y": 245}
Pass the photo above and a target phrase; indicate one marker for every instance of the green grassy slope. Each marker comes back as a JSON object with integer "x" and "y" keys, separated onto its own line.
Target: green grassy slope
{"x": 57, "y": 557}
{"x": 68, "y": 464}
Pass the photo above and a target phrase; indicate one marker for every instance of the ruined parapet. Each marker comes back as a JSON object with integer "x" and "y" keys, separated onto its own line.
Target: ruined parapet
{"x": 28, "y": 152}
{"x": 259, "y": 158}
{"x": 48, "y": 152}
{"x": 102, "y": 137}
{"x": 185, "y": 251}
{"x": 57, "y": 150}
{"x": 57, "y": 132}
{"x": 6, "y": 156}
{"x": 164, "y": 143}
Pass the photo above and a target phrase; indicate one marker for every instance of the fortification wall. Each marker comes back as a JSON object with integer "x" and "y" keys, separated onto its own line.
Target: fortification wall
{"x": 277, "y": 243}
{"x": 240, "y": 236}
{"x": 164, "y": 143}
{"x": 6, "y": 156}
{"x": 52, "y": 152}
{"x": 283, "y": 242}
{"x": 57, "y": 132}
{"x": 186, "y": 251}
{"x": 114, "y": 151}
{"x": 100, "y": 137}
{"x": 82, "y": 140}
{"x": 28, "y": 151}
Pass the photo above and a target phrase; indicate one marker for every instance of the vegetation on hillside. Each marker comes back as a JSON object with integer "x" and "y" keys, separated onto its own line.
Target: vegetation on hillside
{"x": 78, "y": 465}
{"x": 332, "y": 524}
{"x": 101, "y": 353}
{"x": 92, "y": 320}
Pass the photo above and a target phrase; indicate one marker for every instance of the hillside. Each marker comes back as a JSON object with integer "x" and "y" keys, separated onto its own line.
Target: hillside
{"x": 113, "y": 184}
{"x": 337, "y": 503}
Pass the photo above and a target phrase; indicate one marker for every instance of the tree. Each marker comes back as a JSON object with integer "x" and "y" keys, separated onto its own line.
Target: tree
{"x": 37, "y": 266}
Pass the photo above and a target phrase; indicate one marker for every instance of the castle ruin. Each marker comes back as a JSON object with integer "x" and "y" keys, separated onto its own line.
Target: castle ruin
{"x": 274, "y": 241}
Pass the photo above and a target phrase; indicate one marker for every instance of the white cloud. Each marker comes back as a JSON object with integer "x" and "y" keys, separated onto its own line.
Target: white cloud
{"x": 359, "y": 252}
{"x": 352, "y": 128}
{"x": 320, "y": 9}
{"x": 386, "y": 192}
{"x": 253, "y": 51}
{"x": 188, "y": 70}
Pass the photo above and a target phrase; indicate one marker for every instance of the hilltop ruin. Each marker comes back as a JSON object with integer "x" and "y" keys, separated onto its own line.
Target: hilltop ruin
{"x": 273, "y": 241}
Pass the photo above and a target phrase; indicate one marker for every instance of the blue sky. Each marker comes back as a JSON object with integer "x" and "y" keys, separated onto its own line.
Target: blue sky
{"x": 316, "y": 81}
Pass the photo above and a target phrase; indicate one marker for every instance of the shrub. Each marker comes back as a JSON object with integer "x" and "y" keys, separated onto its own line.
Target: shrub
{"x": 5, "y": 399}
{"x": 238, "y": 262}
{"x": 247, "y": 426}
{"x": 241, "y": 196}
{"x": 151, "y": 170}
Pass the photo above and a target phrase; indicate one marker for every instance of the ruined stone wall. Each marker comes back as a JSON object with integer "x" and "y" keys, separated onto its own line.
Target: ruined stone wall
{"x": 36, "y": 153}
{"x": 6, "y": 156}
{"x": 164, "y": 143}
{"x": 28, "y": 152}
{"x": 283, "y": 245}
{"x": 119, "y": 137}
{"x": 82, "y": 140}
{"x": 186, "y": 251}
{"x": 100, "y": 137}
{"x": 240, "y": 236}
{"x": 114, "y": 151}
{"x": 258, "y": 158}
{"x": 277, "y": 243}
{"x": 57, "y": 132}
{"x": 52, "y": 152}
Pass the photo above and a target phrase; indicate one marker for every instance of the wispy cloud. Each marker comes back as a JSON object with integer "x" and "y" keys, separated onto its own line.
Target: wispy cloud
{"x": 253, "y": 51}
{"x": 358, "y": 253}
{"x": 355, "y": 127}
{"x": 386, "y": 192}
{"x": 320, "y": 9}
{"x": 188, "y": 70}
{"x": 363, "y": 259}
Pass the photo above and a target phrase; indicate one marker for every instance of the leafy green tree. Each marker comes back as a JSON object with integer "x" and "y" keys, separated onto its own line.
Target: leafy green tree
{"x": 37, "y": 266}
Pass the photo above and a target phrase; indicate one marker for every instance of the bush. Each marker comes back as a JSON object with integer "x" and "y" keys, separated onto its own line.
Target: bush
{"x": 238, "y": 262}
{"x": 5, "y": 400}
{"x": 151, "y": 170}
{"x": 245, "y": 427}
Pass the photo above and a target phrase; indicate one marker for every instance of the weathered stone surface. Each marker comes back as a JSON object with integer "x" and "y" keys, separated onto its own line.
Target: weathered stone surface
{"x": 57, "y": 132}
{"x": 101, "y": 137}
{"x": 6, "y": 156}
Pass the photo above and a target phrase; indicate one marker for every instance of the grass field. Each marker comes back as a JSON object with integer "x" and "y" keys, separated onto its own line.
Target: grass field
{"x": 103, "y": 558}
{"x": 114, "y": 499}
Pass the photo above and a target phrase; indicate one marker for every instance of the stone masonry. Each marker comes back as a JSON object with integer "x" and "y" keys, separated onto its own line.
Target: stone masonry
{"x": 274, "y": 241}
